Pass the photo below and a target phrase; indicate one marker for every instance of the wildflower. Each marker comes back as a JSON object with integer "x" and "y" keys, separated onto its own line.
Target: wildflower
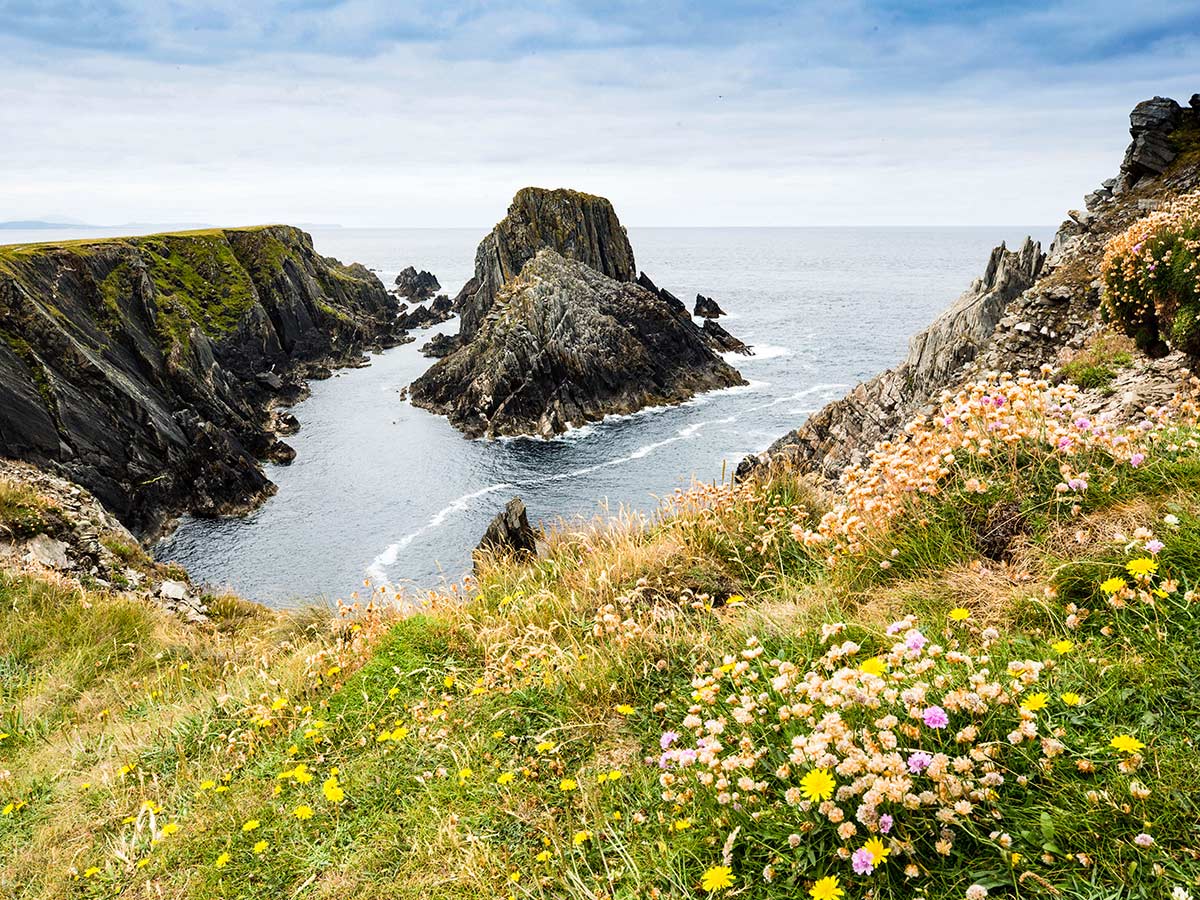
{"x": 170, "y": 828}
{"x": 878, "y": 851}
{"x": 1179, "y": 892}
{"x": 1137, "y": 459}
{"x": 717, "y": 878}
{"x": 544, "y": 856}
{"x": 1141, "y": 567}
{"x": 544, "y": 747}
{"x": 826, "y": 888}
{"x": 1153, "y": 546}
{"x": 873, "y": 666}
{"x": 1125, "y": 743}
{"x": 1144, "y": 840}
{"x": 918, "y": 762}
{"x": 1113, "y": 585}
{"x": 303, "y": 812}
{"x": 1063, "y": 647}
{"x": 332, "y": 790}
{"x": 667, "y": 739}
{"x": 935, "y": 717}
{"x": 976, "y": 892}
{"x": 959, "y": 614}
{"x": 581, "y": 837}
{"x": 735, "y": 600}
{"x": 862, "y": 862}
{"x": 90, "y": 871}
{"x": 505, "y": 778}
{"x": 567, "y": 785}
{"x": 681, "y": 824}
{"x": 885, "y": 823}
{"x": 1034, "y": 702}
{"x": 251, "y": 825}
{"x": 260, "y": 847}
{"x": 625, "y": 709}
{"x": 817, "y": 785}
{"x": 222, "y": 861}
{"x": 1071, "y": 698}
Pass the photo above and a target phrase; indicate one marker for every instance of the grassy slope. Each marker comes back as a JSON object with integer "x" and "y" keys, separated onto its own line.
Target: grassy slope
{"x": 469, "y": 751}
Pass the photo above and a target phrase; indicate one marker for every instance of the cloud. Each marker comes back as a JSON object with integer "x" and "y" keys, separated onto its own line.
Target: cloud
{"x": 684, "y": 113}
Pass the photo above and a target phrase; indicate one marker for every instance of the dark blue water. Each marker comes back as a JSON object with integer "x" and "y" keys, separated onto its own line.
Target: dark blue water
{"x": 383, "y": 490}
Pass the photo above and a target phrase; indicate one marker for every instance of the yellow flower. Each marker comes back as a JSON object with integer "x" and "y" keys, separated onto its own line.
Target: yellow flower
{"x": 1141, "y": 566}
{"x": 581, "y": 837}
{"x": 222, "y": 861}
{"x": 826, "y": 889}
{"x": 681, "y": 824}
{"x": 735, "y": 600}
{"x": 1071, "y": 698}
{"x": 1125, "y": 743}
{"x": 514, "y": 876}
{"x": 877, "y": 850}
{"x": 464, "y": 775}
{"x": 1063, "y": 647}
{"x": 717, "y": 878}
{"x": 817, "y": 785}
{"x": 505, "y": 778}
{"x": 873, "y": 666}
{"x": 260, "y": 847}
{"x": 280, "y": 703}
{"x": 1034, "y": 702}
{"x": 959, "y": 614}
{"x": 1113, "y": 585}
{"x": 567, "y": 785}
{"x": 625, "y": 709}
{"x": 544, "y": 856}
{"x": 544, "y": 747}
{"x": 1014, "y": 859}
{"x": 303, "y": 812}
{"x": 90, "y": 871}
{"x": 170, "y": 828}
{"x": 332, "y": 790}
{"x": 251, "y": 825}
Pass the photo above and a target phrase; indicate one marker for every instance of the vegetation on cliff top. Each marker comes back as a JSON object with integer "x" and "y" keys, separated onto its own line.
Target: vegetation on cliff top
{"x": 981, "y": 680}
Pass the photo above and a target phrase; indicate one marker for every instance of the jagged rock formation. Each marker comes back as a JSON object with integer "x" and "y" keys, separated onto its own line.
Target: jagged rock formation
{"x": 722, "y": 340}
{"x": 144, "y": 368}
{"x": 707, "y": 308}
{"x": 440, "y": 345}
{"x": 578, "y": 226}
{"x": 510, "y": 531}
{"x": 416, "y": 286}
{"x": 563, "y": 345}
{"x": 1026, "y": 310}
{"x": 555, "y": 332}
{"x": 435, "y": 313}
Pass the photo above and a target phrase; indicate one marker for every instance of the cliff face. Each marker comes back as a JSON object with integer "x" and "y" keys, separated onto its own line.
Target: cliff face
{"x": 1028, "y": 309}
{"x": 563, "y": 345}
{"x": 142, "y": 368}
{"x": 578, "y": 226}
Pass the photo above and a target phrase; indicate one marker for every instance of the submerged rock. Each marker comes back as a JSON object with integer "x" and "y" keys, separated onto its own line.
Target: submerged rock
{"x": 510, "y": 531}
{"x": 564, "y": 345}
{"x": 416, "y": 286}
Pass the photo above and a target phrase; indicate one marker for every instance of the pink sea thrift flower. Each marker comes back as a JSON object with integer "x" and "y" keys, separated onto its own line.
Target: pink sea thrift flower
{"x": 863, "y": 862}
{"x": 914, "y": 640}
{"x": 1137, "y": 459}
{"x": 885, "y": 823}
{"x": 1153, "y": 546}
{"x": 935, "y": 717}
{"x": 1144, "y": 840}
{"x": 668, "y": 738}
{"x": 919, "y": 762}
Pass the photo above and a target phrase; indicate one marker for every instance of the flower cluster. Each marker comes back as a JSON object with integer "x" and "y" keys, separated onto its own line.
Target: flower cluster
{"x": 1151, "y": 275}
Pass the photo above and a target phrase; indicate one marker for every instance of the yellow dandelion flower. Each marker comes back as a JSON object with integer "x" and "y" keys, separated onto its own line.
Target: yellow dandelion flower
{"x": 332, "y": 790}
{"x": 625, "y": 709}
{"x": 827, "y": 888}
{"x": 879, "y": 852}
{"x": 614, "y": 774}
{"x": 514, "y": 876}
{"x": 280, "y": 703}
{"x": 681, "y": 824}
{"x": 1063, "y": 647}
{"x": 505, "y": 778}
{"x": 222, "y": 861}
{"x": 260, "y": 847}
{"x": 303, "y": 812}
{"x": 208, "y": 785}
{"x": 544, "y": 856}
{"x": 1034, "y": 702}
{"x": 1126, "y": 743}
{"x": 464, "y": 775}
{"x": 717, "y": 878}
{"x": 567, "y": 785}
{"x": 581, "y": 837}
{"x": 251, "y": 825}
{"x": 1141, "y": 567}
{"x": 544, "y": 747}
{"x": 958, "y": 614}
{"x": 735, "y": 600}
{"x": 1113, "y": 585}
{"x": 873, "y": 666}
{"x": 817, "y": 785}
{"x": 170, "y": 828}
{"x": 91, "y": 871}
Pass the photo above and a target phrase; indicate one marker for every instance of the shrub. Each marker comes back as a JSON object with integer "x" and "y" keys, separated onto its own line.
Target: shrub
{"x": 1152, "y": 280}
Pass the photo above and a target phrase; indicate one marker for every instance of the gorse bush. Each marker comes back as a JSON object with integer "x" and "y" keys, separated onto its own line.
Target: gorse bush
{"x": 1151, "y": 276}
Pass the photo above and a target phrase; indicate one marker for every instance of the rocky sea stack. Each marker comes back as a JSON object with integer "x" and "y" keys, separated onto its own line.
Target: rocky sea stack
{"x": 556, "y": 332}
{"x": 145, "y": 368}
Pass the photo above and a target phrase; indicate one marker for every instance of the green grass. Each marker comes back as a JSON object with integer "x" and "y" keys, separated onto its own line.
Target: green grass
{"x": 24, "y": 512}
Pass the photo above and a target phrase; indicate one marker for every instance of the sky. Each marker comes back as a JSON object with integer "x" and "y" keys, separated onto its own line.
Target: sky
{"x": 377, "y": 113}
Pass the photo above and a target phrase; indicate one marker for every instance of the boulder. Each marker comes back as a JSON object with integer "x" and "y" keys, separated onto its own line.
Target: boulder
{"x": 416, "y": 286}
{"x": 48, "y": 552}
{"x": 1151, "y": 125}
{"x": 707, "y": 308}
{"x": 510, "y": 531}
{"x": 440, "y": 345}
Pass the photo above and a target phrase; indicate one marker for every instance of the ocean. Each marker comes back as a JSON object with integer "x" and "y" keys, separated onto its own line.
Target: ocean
{"x": 385, "y": 492}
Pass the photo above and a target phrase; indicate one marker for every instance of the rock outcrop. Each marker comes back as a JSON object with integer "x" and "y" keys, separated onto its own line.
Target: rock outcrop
{"x": 555, "y": 332}
{"x": 722, "y": 340}
{"x": 707, "y": 308}
{"x": 510, "y": 531}
{"x": 416, "y": 286}
{"x": 440, "y": 345}
{"x": 145, "y": 368}
{"x": 435, "y": 313}
{"x": 578, "y": 226}
{"x": 1028, "y": 309}
{"x": 564, "y": 345}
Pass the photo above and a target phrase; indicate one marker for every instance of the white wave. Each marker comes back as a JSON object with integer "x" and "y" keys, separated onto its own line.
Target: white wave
{"x": 761, "y": 352}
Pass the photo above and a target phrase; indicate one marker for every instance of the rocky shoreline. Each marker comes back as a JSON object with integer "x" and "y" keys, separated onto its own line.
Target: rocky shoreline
{"x": 149, "y": 369}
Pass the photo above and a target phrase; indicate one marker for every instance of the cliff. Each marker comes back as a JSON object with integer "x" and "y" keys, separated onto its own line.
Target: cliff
{"x": 143, "y": 368}
{"x": 564, "y": 345}
{"x": 1028, "y": 308}
{"x": 578, "y": 226}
